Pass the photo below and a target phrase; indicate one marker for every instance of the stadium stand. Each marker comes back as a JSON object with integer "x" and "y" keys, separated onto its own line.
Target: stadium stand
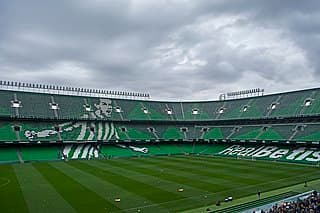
{"x": 310, "y": 203}
{"x": 248, "y": 205}
{"x": 83, "y": 126}
{"x": 8, "y": 154}
{"x": 82, "y": 132}
{"x": 37, "y": 105}
{"x": 282, "y": 127}
{"x": 40, "y": 153}
{"x": 32, "y": 131}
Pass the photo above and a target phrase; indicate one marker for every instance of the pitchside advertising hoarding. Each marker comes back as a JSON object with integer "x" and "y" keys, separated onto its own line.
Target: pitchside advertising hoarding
{"x": 301, "y": 154}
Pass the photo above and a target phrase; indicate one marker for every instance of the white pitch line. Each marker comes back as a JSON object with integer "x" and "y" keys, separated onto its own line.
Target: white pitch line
{"x": 5, "y": 183}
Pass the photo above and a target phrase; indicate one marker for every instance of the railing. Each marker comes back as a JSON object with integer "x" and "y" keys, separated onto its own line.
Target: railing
{"x": 72, "y": 91}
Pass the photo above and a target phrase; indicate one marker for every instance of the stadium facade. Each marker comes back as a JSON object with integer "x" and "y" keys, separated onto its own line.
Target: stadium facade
{"x": 36, "y": 126}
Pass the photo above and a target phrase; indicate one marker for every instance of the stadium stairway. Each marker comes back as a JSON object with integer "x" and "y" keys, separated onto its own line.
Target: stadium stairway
{"x": 19, "y": 155}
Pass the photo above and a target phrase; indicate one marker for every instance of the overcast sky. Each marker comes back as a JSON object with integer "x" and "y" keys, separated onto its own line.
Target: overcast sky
{"x": 172, "y": 49}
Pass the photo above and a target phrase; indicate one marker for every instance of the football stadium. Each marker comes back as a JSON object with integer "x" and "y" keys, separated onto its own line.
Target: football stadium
{"x": 66, "y": 149}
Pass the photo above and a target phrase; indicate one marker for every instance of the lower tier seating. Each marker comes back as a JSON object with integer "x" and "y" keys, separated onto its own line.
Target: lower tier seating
{"x": 87, "y": 151}
{"x": 8, "y": 154}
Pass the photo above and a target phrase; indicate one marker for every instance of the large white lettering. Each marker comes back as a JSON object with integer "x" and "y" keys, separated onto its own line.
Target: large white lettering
{"x": 229, "y": 149}
{"x": 246, "y": 151}
{"x": 316, "y": 155}
{"x": 273, "y": 152}
{"x": 237, "y": 150}
{"x": 295, "y": 153}
{"x": 265, "y": 152}
{"x": 279, "y": 153}
{"x": 257, "y": 150}
{"x": 304, "y": 155}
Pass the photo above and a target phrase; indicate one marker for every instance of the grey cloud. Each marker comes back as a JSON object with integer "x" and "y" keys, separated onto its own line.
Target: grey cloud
{"x": 174, "y": 49}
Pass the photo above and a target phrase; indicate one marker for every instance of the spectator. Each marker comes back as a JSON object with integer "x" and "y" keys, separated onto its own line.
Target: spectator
{"x": 309, "y": 205}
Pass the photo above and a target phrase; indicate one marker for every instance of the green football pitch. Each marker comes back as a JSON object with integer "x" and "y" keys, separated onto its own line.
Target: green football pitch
{"x": 148, "y": 184}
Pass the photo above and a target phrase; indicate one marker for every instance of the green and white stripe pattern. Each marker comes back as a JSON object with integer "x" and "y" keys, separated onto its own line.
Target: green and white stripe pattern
{"x": 80, "y": 151}
{"x": 102, "y": 131}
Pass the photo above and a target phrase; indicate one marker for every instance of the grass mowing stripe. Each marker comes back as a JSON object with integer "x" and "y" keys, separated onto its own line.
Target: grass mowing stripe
{"x": 234, "y": 168}
{"x": 174, "y": 205}
{"x": 197, "y": 172}
{"x": 180, "y": 177}
{"x": 270, "y": 184}
{"x": 11, "y": 197}
{"x": 211, "y": 172}
{"x": 213, "y": 165}
{"x": 102, "y": 187}
{"x": 261, "y": 162}
{"x": 81, "y": 198}
{"x": 284, "y": 175}
{"x": 245, "y": 162}
{"x": 151, "y": 178}
{"x": 237, "y": 191}
{"x": 137, "y": 187}
{"x": 299, "y": 188}
{"x": 169, "y": 205}
{"x": 46, "y": 198}
{"x": 142, "y": 168}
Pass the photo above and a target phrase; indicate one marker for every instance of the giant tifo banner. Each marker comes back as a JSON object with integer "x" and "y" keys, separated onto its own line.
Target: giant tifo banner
{"x": 298, "y": 155}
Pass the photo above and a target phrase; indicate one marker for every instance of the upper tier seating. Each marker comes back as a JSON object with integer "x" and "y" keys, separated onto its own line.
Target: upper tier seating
{"x": 49, "y": 106}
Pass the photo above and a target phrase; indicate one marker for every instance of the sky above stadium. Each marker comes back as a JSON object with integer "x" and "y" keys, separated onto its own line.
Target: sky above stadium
{"x": 172, "y": 49}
